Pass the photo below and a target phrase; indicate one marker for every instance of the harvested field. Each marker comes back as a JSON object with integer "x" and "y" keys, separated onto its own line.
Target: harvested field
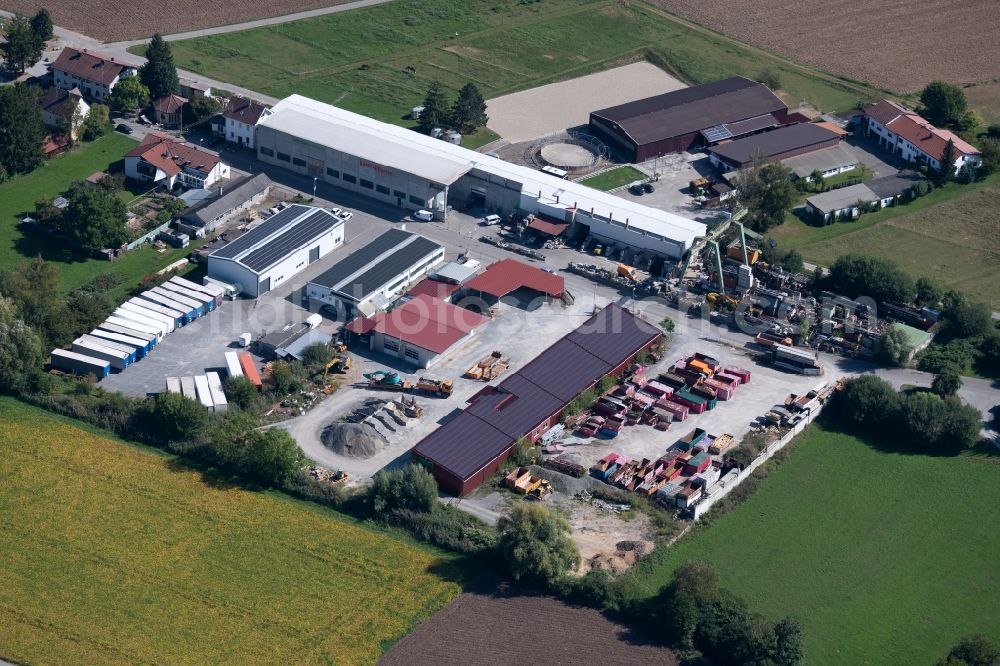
{"x": 888, "y": 44}
{"x": 507, "y": 626}
{"x": 115, "y": 555}
{"x": 134, "y": 20}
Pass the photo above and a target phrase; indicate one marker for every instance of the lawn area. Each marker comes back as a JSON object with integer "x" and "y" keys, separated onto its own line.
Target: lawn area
{"x": 500, "y": 45}
{"x": 116, "y": 555}
{"x": 19, "y": 194}
{"x": 950, "y": 235}
{"x": 613, "y": 178}
{"x": 884, "y": 558}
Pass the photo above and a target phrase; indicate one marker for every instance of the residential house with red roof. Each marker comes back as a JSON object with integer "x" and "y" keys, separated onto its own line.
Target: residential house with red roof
{"x": 168, "y": 111}
{"x": 913, "y": 138}
{"x": 420, "y": 331}
{"x": 161, "y": 159}
{"x": 60, "y": 106}
{"x": 94, "y": 74}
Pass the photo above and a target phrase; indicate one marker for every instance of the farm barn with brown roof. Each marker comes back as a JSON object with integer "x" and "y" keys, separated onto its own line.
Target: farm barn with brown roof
{"x": 675, "y": 121}
{"x": 463, "y": 452}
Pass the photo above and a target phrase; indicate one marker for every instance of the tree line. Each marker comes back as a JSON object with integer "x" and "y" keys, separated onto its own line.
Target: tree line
{"x": 466, "y": 114}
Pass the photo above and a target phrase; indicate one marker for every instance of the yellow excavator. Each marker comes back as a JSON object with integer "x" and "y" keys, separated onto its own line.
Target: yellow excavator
{"x": 341, "y": 364}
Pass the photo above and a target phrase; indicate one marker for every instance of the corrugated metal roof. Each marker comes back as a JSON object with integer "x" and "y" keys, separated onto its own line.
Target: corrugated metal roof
{"x": 370, "y": 268}
{"x": 464, "y": 445}
{"x": 841, "y": 198}
{"x": 565, "y": 370}
{"x": 206, "y": 211}
{"x": 775, "y": 142}
{"x": 835, "y": 157}
{"x": 427, "y": 322}
{"x": 433, "y": 288}
{"x": 613, "y": 334}
{"x": 506, "y": 275}
{"x": 692, "y": 109}
{"x": 514, "y": 403}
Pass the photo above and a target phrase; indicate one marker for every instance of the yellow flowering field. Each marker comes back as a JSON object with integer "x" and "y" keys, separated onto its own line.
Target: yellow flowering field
{"x": 114, "y": 555}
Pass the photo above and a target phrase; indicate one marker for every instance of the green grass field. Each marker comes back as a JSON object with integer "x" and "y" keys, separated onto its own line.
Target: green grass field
{"x": 613, "y": 178}
{"x": 360, "y": 59}
{"x": 19, "y": 194}
{"x": 949, "y": 235}
{"x": 116, "y": 555}
{"x": 884, "y": 558}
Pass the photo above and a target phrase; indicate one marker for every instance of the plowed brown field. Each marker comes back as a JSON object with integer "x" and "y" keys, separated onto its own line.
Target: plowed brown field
{"x": 900, "y": 45}
{"x": 112, "y": 21}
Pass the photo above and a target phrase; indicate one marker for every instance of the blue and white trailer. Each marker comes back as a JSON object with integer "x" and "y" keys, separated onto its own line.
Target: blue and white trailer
{"x": 128, "y": 349}
{"x": 117, "y": 358}
{"x": 206, "y": 301}
{"x": 204, "y": 392}
{"x": 142, "y": 327}
{"x": 141, "y": 346}
{"x": 167, "y": 320}
{"x": 176, "y": 315}
{"x": 211, "y": 290}
{"x": 191, "y": 303}
{"x": 150, "y": 338}
{"x": 219, "y": 402}
{"x": 158, "y": 327}
{"x": 187, "y": 312}
{"x": 79, "y": 364}
{"x": 233, "y": 367}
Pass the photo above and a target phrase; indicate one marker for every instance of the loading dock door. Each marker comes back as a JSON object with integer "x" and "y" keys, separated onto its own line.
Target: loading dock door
{"x": 315, "y": 167}
{"x": 477, "y": 197}
{"x": 314, "y": 254}
{"x": 264, "y": 286}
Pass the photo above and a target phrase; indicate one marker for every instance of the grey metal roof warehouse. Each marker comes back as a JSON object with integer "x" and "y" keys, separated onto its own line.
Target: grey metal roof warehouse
{"x": 377, "y": 263}
{"x": 209, "y": 210}
{"x": 842, "y": 198}
{"x": 497, "y": 416}
{"x": 826, "y": 159}
{"x": 893, "y": 185}
{"x": 796, "y": 139}
{"x": 268, "y": 243}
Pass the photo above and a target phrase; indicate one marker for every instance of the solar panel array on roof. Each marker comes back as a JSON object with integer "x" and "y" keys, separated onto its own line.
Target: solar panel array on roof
{"x": 262, "y": 231}
{"x": 498, "y": 416}
{"x": 776, "y": 142}
{"x": 375, "y": 264}
{"x": 303, "y": 232}
{"x": 717, "y": 133}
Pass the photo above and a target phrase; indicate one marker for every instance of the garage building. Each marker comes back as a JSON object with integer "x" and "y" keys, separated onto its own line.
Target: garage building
{"x": 277, "y": 249}
{"x": 779, "y": 144}
{"x": 401, "y": 167}
{"x": 369, "y": 279}
{"x": 420, "y": 331}
{"x": 471, "y": 446}
{"x": 688, "y": 118}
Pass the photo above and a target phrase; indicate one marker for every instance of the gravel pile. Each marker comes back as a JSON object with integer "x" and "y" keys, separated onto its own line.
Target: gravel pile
{"x": 352, "y": 440}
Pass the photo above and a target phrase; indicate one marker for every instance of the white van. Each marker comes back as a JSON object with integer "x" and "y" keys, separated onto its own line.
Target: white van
{"x": 491, "y": 220}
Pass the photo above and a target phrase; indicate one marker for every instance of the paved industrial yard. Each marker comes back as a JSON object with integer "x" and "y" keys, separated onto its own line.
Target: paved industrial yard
{"x": 534, "y": 113}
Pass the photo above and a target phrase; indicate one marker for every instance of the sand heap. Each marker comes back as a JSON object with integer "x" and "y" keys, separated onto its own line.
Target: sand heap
{"x": 352, "y": 440}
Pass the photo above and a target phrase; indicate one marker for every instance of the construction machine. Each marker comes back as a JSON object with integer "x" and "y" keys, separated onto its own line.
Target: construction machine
{"x": 628, "y": 272}
{"x": 340, "y": 364}
{"x": 442, "y": 387}
{"x": 386, "y": 379}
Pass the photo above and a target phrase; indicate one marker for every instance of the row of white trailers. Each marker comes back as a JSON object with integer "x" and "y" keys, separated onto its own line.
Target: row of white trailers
{"x": 207, "y": 389}
{"x": 136, "y": 326}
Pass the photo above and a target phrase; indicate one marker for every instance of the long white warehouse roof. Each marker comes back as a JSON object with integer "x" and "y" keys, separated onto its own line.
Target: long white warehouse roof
{"x": 442, "y": 162}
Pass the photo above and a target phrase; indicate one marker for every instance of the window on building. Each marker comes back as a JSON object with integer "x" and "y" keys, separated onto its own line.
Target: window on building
{"x": 267, "y": 151}
{"x": 382, "y": 189}
{"x": 298, "y": 161}
{"x": 283, "y": 157}
{"x": 412, "y": 353}
{"x": 390, "y": 344}
{"x": 349, "y": 178}
{"x": 332, "y": 172}
{"x": 398, "y": 193}
{"x": 417, "y": 200}
{"x": 367, "y": 184}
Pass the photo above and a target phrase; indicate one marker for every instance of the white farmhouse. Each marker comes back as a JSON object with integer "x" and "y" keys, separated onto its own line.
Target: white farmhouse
{"x": 163, "y": 159}
{"x": 238, "y": 122}
{"x": 94, "y": 74}
{"x": 903, "y": 132}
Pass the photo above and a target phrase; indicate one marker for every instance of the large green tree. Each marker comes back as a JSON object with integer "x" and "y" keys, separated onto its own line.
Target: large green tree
{"x": 20, "y": 348}
{"x": 893, "y": 348}
{"x": 435, "y": 113}
{"x": 22, "y": 47}
{"x": 31, "y": 287}
{"x": 856, "y": 275}
{"x": 159, "y": 74}
{"x": 96, "y": 124}
{"x": 764, "y": 189}
{"x": 867, "y": 400}
{"x": 536, "y": 543}
{"x": 929, "y": 292}
{"x": 129, "y": 94}
{"x": 272, "y": 456}
{"x": 411, "y": 488}
{"x": 94, "y": 218}
{"x": 972, "y": 651}
{"x": 943, "y": 104}
{"x": 468, "y": 113}
{"x": 178, "y": 419}
{"x": 947, "y": 381}
{"x": 41, "y": 24}
{"x": 21, "y": 129}
{"x": 946, "y": 172}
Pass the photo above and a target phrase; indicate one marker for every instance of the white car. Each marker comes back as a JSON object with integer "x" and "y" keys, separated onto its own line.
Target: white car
{"x": 424, "y": 215}
{"x": 335, "y": 211}
{"x": 491, "y": 220}
{"x": 345, "y": 215}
